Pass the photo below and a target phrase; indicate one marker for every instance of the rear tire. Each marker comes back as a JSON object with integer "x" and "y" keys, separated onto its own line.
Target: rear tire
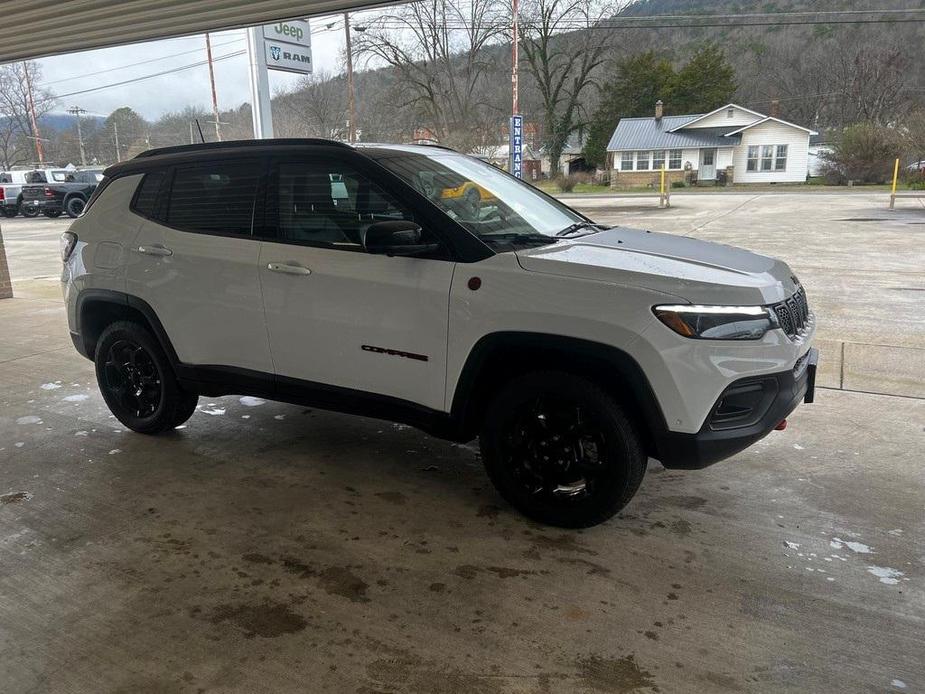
{"x": 561, "y": 450}
{"x": 137, "y": 381}
{"x": 28, "y": 211}
{"x": 74, "y": 207}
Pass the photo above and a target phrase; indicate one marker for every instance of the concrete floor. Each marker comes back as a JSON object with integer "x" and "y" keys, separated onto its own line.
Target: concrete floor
{"x": 266, "y": 547}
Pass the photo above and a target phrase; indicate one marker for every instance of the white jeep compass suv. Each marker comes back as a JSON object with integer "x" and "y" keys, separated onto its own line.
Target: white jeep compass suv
{"x": 421, "y": 286}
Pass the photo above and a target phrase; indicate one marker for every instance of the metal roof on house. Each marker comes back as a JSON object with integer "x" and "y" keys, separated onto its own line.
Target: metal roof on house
{"x": 649, "y": 133}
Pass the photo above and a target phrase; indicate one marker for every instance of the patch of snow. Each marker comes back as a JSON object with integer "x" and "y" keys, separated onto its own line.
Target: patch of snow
{"x": 29, "y": 419}
{"x": 81, "y": 433}
{"x": 791, "y": 545}
{"x": 857, "y": 547}
{"x": 279, "y": 416}
{"x": 19, "y": 444}
{"x": 899, "y": 684}
{"x": 886, "y": 575}
{"x": 79, "y": 397}
{"x": 182, "y": 426}
{"x": 896, "y": 532}
{"x": 50, "y": 386}
{"x": 213, "y": 411}
{"x": 798, "y": 447}
{"x": 115, "y": 451}
{"x": 245, "y": 416}
{"x": 250, "y": 401}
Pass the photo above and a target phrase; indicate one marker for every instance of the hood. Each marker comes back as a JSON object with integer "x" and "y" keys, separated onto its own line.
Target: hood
{"x": 693, "y": 270}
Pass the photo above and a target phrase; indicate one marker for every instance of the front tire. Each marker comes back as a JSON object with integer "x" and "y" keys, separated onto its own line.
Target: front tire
{"x": 10, "y": 212}
{"x": 137, "y": 381}
{"x": 74, "y": 207}
{"x": 561, "y": 450}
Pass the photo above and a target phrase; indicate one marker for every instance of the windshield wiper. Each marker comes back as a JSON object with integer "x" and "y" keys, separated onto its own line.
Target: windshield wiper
{"x": 578, "y": 226}
{"x": 514, "y": 236}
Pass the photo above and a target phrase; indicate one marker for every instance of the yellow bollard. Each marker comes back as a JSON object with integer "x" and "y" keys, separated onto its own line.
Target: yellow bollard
{"x": 663, "y": 195}
{"x": 895, "y": 176}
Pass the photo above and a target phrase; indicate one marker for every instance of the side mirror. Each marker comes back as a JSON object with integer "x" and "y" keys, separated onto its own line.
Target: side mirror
{"x": 398, "y": 237}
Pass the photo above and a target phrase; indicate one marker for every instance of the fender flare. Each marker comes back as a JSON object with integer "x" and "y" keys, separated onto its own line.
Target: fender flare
{"x": 618, "y": 367}
{"x": 122, "y": 301}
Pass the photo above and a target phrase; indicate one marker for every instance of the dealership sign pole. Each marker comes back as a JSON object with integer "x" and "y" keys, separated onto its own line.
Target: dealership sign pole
{"x": 515, "y": 129}
{"x": 285, "y": 46}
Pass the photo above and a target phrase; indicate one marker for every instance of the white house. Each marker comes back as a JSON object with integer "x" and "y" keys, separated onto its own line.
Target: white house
{"x": 732, "y": 142}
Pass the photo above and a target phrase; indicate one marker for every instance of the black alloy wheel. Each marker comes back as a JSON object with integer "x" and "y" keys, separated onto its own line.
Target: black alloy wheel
{"x": 137, "y": 381}
{"x": 554, "y": 452}
{"x": 131, "y": 379}
{"x": 561, "y": 449}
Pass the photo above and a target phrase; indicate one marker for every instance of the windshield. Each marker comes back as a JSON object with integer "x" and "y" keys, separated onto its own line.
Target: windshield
{"x": 488, "y": 202}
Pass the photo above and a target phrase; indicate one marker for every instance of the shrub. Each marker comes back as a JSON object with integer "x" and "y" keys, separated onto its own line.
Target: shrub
{"x": 678, "y": 184}
{"x": 566, "y": 184}
{"x": 863, "y": 153}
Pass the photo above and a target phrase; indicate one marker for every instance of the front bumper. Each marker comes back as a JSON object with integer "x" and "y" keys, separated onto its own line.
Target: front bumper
{"x": 747, "y": 411}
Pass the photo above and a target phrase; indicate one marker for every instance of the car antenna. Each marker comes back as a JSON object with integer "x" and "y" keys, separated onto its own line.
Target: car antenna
{"x": 201, "y": 137}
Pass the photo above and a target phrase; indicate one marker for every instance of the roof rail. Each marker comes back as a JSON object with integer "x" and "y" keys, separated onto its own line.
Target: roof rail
{"x": 234, "y": 144}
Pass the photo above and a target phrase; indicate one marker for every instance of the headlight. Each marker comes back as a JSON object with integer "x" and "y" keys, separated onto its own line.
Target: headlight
{"x": 717, "y": 322}
{"x": 68, "y": 241}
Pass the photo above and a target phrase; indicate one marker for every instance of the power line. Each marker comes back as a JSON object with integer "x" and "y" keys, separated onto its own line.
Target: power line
{"x": 145, "y": 77}
{"x": 142, "y": 62}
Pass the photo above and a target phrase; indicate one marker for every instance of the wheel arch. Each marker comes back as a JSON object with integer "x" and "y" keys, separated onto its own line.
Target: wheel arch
{"x": 498, "y": 357}
{"x": 98, "y": 308}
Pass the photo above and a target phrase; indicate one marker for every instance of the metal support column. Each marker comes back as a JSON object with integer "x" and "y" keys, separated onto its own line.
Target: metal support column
{"x": 260, "y": 84}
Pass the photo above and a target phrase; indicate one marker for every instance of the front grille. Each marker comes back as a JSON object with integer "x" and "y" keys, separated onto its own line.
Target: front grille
{"x": 793, "y": 314}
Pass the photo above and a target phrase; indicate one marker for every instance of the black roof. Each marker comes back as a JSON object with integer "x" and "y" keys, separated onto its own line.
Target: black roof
{"x": 191, "y": 153}
{"x": 238, "y": 144}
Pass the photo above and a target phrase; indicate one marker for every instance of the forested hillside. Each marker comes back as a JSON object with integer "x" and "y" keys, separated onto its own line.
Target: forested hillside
{"x": 442, "y": 69}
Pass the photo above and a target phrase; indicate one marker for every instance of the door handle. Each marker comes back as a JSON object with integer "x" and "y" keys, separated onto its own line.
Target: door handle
{"x": 155, "y": 250}
{"x": 288, "y": 269}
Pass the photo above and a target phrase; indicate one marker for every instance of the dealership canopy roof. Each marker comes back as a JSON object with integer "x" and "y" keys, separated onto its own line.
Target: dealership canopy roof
{"x": 37, "y": 28}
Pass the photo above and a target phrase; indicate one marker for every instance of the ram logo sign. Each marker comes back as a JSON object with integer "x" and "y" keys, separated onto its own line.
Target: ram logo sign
{"x": 274, "y": 52}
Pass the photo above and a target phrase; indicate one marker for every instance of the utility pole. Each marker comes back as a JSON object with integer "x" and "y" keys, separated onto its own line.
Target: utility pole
{"x": 218, "y": 132}
{"x": 76, "y": 111}
{"x": 39, "y": 151}
{"x": 351, "y": 93}
{"x": 115, "y": 133}
{"x": 515, "y": 59}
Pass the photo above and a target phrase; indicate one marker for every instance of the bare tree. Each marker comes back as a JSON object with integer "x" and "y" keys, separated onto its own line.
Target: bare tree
{"x": 563, "y": 51}
{"x": 15, "y": 123}
{"x": 315, "y": 108}
{"x": 437, "y": 52}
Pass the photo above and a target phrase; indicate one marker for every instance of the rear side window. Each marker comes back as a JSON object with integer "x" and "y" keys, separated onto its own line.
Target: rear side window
{"x": 36, "y": 177}
{"x": 145, "y": 202}
{"x": 215, "y": 197}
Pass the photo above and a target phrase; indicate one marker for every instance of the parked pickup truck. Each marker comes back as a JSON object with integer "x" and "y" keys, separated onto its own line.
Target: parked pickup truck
{"x": 11, "y": 183}
{"x": 68, "y": 193}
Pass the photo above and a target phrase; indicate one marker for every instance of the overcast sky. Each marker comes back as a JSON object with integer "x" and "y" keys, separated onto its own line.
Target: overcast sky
{"x": 156, "y": 96}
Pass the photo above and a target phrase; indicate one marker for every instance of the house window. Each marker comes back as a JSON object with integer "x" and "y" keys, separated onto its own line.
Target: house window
{"x": 642, "y": 161}
{"x": 626, "y": 161}
{"x": 780, "y": 161}
{"x": 752, "y": 158}
{"x": 674, "y": 159}
{"x": 767, "y": 157}
{"x": 658, "y": 159}
{"x": 730, "y": 113}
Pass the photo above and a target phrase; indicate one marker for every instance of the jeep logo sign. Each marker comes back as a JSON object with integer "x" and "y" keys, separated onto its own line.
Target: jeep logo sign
{"x": 288, "y": 46}
{"x": 293, "y": 31}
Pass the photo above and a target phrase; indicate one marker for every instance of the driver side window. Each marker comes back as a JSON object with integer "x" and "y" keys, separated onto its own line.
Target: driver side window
{"x": 328, "y": 204}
